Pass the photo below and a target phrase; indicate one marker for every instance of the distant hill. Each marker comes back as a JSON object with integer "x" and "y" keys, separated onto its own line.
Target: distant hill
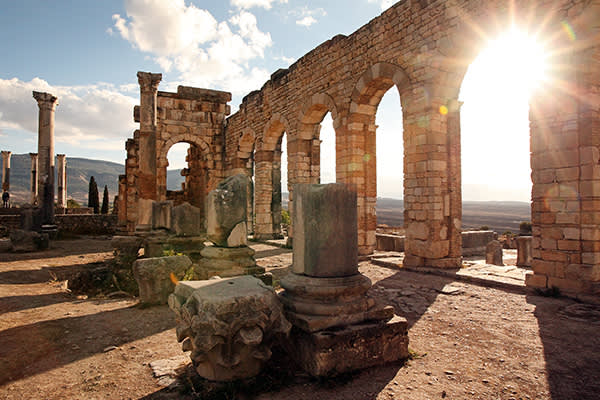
{"x": 79, "y": 172}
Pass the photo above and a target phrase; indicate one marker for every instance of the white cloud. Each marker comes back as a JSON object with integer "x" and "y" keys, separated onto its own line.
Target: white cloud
{"x": 190, "y": 42}
{"x": 385, "y": 4}
{"x": 246, "y": 4}
{"x": 306, "y": 21}
{"x": 85, "y": 113}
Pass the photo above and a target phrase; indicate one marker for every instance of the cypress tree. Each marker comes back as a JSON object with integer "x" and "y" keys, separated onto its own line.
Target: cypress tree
{"x": 93, "y": 200}
{"x": 104, "y": 209}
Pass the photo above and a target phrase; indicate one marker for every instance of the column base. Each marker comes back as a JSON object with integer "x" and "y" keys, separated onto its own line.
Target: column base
{"x": 335, "y": 351}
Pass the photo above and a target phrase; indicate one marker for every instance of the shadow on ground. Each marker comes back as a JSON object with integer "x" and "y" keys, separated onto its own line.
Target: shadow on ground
{"x": 44, "y": 274}
{"x": 570, "y": 334}
{"x": 35, "y": 348}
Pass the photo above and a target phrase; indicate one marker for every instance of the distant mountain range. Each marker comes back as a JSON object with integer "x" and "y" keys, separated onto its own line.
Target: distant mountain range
{"x": 497, "y": 215}
{"x": 79, "y": 172}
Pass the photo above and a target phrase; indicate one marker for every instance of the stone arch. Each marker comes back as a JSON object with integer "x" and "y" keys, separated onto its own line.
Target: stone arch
{"x": 198, "y": 176}
{"x": 357, "y": 165}
{"x": 267, "y": 199}
{"x": 307, "y": 143}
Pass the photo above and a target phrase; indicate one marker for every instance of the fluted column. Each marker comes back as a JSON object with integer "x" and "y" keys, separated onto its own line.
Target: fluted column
{"x": 6, "y": 170}
{"x": 47, "y": 106}
{"x": 34, "y": 177}
{"x": 146, "y": 179}
{"x": 62, "y": 181}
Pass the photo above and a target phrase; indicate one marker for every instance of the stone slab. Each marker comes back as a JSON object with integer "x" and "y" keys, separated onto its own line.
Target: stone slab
{"x": 153, "y": 276}
{"x": 335, "y": 351}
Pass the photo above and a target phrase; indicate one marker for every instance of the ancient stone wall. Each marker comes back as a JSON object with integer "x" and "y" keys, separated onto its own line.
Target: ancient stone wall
{"x": 194, "y": 116}
{"x": 422, "y": 48}
{"x": 82, "y": 224}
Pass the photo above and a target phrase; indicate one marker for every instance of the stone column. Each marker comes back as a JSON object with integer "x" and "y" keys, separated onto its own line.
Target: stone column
{"x": 47, "y": 106}
{"x": 34, "y": 178}
{"x": 62, "y": 181}
{"x": 146, "y": 182}
{"x": 6, "y": 170}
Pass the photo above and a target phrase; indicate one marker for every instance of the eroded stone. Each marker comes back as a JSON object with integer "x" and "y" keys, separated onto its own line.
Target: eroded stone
{"x": 155, "y": 277}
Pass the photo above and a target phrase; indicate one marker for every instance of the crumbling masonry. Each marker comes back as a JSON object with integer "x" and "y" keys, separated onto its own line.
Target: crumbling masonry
{"x": 423, "y": 49}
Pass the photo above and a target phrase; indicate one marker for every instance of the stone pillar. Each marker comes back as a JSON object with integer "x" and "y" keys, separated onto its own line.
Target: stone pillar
{"x": 146, "y": 182}
{"x": 62, "y": 181}
{"x": 47, "y": 106}
{"x": 524, "y": 251}
{"x": 34, "y": 178}
{"x": 325, "y": 289}
{"x": 6, "y": 170}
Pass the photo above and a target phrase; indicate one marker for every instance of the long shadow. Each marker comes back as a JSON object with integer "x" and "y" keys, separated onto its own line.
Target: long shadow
{"x": 35, "y": 348}
{"x": 45, "y": 274}
{"x": 59, "y": 249}
{"x": 570, "y": 334}
{"x": 19, "y": 303}
{"x": 270, "y": 253}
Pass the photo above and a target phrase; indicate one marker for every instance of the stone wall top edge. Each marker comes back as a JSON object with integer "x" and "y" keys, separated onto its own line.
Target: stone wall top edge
{"x": 193, "y": 93}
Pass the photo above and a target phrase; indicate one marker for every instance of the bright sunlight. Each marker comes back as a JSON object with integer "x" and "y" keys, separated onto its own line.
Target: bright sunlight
{"x": 495, "y": 118}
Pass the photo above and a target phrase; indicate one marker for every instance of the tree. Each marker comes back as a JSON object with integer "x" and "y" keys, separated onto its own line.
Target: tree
{"x": 93, "y": 200}
{"x": 104, "y": 209}
{"x": 72, "y": 203}
{"x": 525, "y": 227}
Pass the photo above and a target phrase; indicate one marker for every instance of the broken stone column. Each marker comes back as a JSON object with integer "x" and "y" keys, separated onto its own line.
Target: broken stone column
{"x": 226, "y": 228}
{"x": 61, "y": 200}
{"x": 325, "y": 295}
{"x": 47, "y": 106}
{"x": 229, "y": 325}
{"x": 34, "y": 178}
{"x": 146, "y": 180}
{"x": 524, "y": 256}
{"x": 6, "y": 170}
{"x": 493, "y": 253}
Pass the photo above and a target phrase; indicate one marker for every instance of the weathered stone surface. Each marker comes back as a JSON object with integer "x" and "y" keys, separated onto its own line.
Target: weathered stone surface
{"x": 325, "y": 241}
{"x": 474, "y": 242}
{"x": 226, "y": 262}
{"x": 335, "y": 351}
{"x": 388, "y": 242}
{"x": 229, "y": 325}
{"x": 153, "y": 276}
{"x": 144, "y": 213}
{"x": 5, "y": 245}
{"x": 26, "y": 241}
{"x": 161, "y": 214}
{"x": 186, "y": 220}
{"x": 524, "y": 251}
{"x": 238, "y": 236}
{"x": 126, "y": 248}
{"x": 226, "y": 209}
{"x": 493, "y": 253}
{"x": 314, "y": 304}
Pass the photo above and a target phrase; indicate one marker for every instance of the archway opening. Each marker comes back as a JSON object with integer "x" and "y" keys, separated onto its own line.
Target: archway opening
{"x": 495, "y": 134}
{"x": 281, "y": 189}
{"x": 177, "y": 169}
{"x": 390, "y": 168}
{"x": 327, "y": 155}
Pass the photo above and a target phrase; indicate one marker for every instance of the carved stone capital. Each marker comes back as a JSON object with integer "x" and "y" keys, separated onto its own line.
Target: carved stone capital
{"x": 148, "y": 81}
{"x": 45, "y": 100}
{"x": 6, "y": 154}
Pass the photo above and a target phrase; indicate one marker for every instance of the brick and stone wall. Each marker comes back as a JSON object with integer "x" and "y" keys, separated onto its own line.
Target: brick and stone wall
{"x": 82, "y": 224}
{"x": 422, "y": 48}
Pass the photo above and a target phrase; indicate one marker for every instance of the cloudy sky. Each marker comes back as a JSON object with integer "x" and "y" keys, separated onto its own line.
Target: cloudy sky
{"x": 87, "y": 53}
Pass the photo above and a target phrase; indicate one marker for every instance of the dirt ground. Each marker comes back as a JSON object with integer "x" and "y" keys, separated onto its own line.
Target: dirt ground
{"x": 468, "y": 341}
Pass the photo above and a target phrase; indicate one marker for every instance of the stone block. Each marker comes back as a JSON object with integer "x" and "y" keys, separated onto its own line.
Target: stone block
{"x": 226, "y": 209}
{"x": 144, "y": 214}
{"x": 229, "y": 325}
{"x": 161, "y": 214}
{"x": 154, "y": 277}
{"x": 386, "y": 242}
{"x": 226, "y": 262}
{"x": 126, "y": 249}
{"x": 534, "y": 280}
{"x": 524, "y": 257}
{"x": 335, "y": 351}
{"x": 186, "y": 220}
{"x": 5, "y": 245}
{"x": 474, "y": 242}
{"x": 493, "y": 253}
{"x": 28, "y": 241}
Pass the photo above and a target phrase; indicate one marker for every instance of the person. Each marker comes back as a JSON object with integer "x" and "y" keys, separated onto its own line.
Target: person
{"x": 5, "y": 199}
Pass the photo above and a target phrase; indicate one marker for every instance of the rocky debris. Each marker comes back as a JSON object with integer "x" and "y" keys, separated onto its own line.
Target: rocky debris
{"x": 126, "y": 249}
{"x": 230, "y": 325}
{"x": 186, "y": 220}
{"x": 155, "y": 277}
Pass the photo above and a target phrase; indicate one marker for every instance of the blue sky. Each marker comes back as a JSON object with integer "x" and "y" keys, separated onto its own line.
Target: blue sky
{"x": 87, "y": 52}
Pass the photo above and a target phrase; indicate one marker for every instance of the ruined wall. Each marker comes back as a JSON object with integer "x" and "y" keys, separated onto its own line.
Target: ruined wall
{"x": 194, "y": 116}
{"x": 423, "y": 48}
